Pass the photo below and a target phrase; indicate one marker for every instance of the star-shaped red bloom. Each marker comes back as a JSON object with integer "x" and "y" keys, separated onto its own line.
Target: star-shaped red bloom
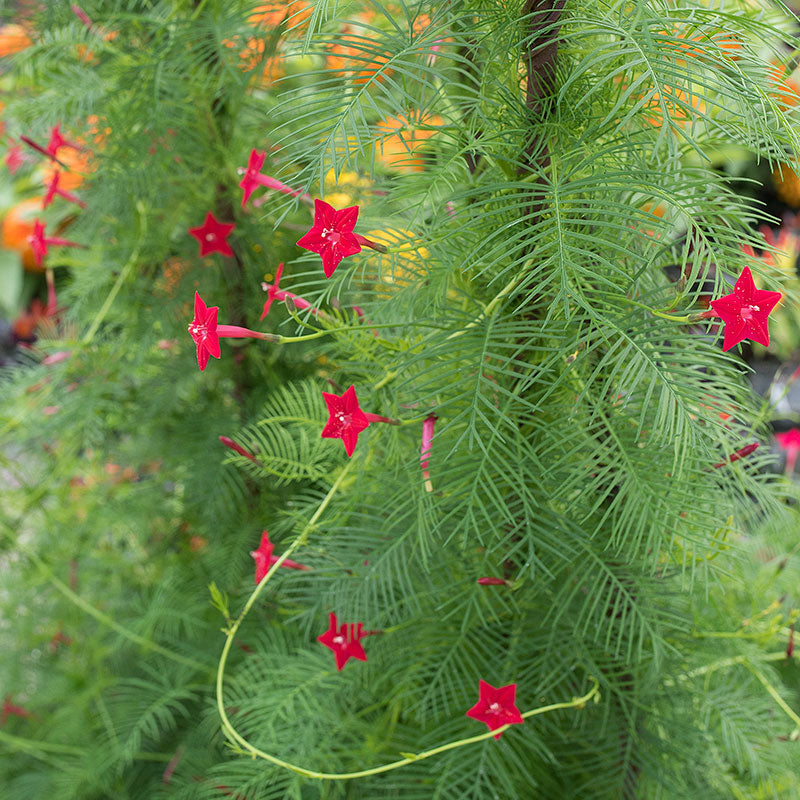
{"x": 213, "y": 236}
{"x": 346, "y": 419}
{"x": 9, "y": 709}
{"x": 40, "y": 243}
{"x": 206, "y": 332}
{"x": 203, "y": 329}
{"x": 54, "y": 189}
{"x": 331, "y": 235}
{"x": 745, "y": 311}
{"x": 251, "y": 180}
{"x": 264, "y": 558}
{"x": 57, "y": 141}
{"x": 276, "y": 294}
{"x": 344, "y": 640}
{"x": 496, "y": 707}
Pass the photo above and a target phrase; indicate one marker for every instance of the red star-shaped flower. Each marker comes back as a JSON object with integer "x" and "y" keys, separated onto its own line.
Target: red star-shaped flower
{"x": 276, "y": 294}
{"x": 252, "y": 174}
{"x": 9, "y": 709}
{"x": 40, "y": 243}
{"x": 213, "y": 236}
{"x": 331, "y": 235}
{"x": 206, "y": 333}
{"x": 57, "y": 141}
{"x": 344, "y": 640}
{"x": 203, "y": 329}
{"x": 54, "y": 189}
{"x": 346, "y": 419}
{"x": 496, "y": 707}
{"x": 745, "y": 311}
{"x": 264, "y": 558}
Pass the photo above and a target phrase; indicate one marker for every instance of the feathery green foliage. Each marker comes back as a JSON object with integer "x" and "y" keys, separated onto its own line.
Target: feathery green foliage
{"x": 543, "y": 179}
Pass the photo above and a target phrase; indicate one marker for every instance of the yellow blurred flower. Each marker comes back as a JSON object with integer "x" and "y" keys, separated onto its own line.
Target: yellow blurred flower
{"x": 349, "y": 189}
{"x": 402, "y": 268}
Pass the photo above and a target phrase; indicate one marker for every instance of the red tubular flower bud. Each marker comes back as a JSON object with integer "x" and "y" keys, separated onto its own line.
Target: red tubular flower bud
{"x": 81, "y": 15}
{"x": 492, "y": 581}
{"x": 231, "y": 445}
{"x": 741, "y": 453}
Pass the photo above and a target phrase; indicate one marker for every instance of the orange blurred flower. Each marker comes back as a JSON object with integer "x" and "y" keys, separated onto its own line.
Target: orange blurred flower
{"x": 252, "y": 56}
{"x": 13, "y": 39}
{"x": 695, "y": 43}
{"x": 402, "y": 139}
{"x": 78, "y": 163}
{"x": 98, "y": 134}
{"x": 173, "y": 272}
{"x": 787, "y": 185}
{"x": 295, "y": 14}
{"x": 17, "y": 226}
{"x": 785, "y": 88}
{"x": 355, "y": 56}
{"x": 677, "y": 103}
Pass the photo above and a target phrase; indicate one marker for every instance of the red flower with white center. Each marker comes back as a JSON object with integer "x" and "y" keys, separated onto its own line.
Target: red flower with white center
{"x": 346, "y": 420}
{"x": 745, "y": 311}
{"x": 253, "y": 178}
{"x": 53, "y": 189}
{"x": 331, "y": 236}
{"x": 206, "y": 332}
{"x": 344, "y": 640}
{"x": 276, "y": 294}
{"x": 789, "y": 441}
{"x": 203, "y": 329}
{"x": 496, "y": 707}
{"x": 213, "y": 235}
{"x": 41, "y": 243}
{"x": 264, "y": 558}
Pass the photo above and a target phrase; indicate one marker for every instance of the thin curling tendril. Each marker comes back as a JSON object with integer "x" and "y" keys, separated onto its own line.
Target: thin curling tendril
{"x": 236, "y": 737}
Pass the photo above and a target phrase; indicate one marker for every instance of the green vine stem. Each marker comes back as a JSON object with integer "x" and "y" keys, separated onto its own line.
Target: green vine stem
{"x": 496, "y": 300}
{"x": 682, "y": 318}
{"x": 746, "y": 662}
{"x": 123, "y": 274}
{"x": 235, "y": 736}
